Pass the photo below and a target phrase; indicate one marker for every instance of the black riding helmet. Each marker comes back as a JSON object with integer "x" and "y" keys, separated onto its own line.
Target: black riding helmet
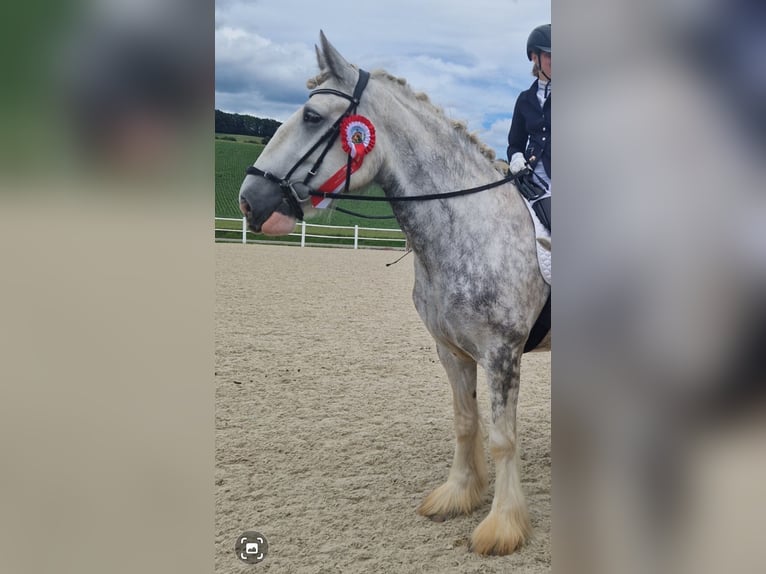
{"x": 539, "y": 40}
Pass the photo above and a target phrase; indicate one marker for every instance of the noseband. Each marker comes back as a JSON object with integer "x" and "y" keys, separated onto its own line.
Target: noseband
{"x": 291, "y": 195}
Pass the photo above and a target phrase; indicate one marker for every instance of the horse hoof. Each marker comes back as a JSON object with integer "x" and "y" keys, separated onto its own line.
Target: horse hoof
{"x": 501, "y": 533}
{"x": 452, "y": 500}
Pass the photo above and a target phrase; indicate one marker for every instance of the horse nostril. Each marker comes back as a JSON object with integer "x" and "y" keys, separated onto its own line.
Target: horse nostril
{"x": 244, "y": 207}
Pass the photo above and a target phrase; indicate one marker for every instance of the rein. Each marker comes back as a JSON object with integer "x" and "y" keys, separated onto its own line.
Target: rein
{"x": 523, "y": 181}
{"x": 426, "y": 197}
{"x": 295, "y": 198}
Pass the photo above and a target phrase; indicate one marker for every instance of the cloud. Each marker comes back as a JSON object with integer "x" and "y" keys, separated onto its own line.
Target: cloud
{"x": 469, "y": 57}
{"x": 248, "y": 63}
{"x": 496, "y": 135}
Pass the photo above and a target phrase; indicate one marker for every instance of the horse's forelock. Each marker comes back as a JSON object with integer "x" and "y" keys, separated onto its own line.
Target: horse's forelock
{"x": 316, "y": 81}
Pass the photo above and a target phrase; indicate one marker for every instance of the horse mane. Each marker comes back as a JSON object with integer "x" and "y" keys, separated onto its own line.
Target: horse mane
{"x": 458, "y": 126}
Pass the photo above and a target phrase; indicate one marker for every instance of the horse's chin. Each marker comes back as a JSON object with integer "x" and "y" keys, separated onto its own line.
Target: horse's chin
{"x": 278, "y": 224}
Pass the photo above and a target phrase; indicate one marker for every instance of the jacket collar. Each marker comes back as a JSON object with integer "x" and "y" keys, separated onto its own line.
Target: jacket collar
{"x": 531, "y": 95}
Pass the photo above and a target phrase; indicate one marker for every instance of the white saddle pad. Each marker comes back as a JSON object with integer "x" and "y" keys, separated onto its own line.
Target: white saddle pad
{"x": 543, "y": 242}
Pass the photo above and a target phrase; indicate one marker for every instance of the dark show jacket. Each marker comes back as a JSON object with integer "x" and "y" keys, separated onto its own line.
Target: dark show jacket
{"x": 530, "y": 131}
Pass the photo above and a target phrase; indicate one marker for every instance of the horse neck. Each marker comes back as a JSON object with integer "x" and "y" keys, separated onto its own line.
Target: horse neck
{"x": 426, "y": 155}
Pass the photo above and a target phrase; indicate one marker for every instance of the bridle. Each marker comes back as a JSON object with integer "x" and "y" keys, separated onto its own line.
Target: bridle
{"x": 295, "y": 196}
{"x": 296, "y": 192}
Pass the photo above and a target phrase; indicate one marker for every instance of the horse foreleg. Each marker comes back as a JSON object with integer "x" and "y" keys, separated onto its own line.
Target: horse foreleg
{"x": 507, "y": 525}
{"x": 467, "y": 479}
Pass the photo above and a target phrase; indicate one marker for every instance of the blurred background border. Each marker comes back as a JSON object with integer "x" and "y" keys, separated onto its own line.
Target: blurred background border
{"x": 108, "y": 269}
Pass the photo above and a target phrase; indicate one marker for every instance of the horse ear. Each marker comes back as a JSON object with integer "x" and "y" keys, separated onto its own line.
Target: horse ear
{"x": 334, "y": 63}
{"x": 320, "y": 59}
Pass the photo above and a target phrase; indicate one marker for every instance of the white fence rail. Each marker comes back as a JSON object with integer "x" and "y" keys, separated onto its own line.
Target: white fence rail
{"x": 361, "y": 234}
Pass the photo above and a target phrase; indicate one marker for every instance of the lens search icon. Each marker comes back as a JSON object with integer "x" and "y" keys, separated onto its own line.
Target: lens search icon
{"x": 251, "y": 547}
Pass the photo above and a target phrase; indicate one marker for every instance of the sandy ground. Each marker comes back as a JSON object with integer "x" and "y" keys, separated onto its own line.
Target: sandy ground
{"x": 334, "y": 420}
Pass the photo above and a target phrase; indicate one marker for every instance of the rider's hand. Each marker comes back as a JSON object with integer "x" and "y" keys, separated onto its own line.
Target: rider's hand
{"x": 518, "y": 163}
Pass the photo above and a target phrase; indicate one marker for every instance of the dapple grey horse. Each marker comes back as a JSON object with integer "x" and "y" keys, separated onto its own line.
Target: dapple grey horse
{"x": 477, "y": 288}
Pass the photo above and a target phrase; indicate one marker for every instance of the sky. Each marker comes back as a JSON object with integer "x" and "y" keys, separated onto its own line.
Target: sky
{"x": 468, "y": 56}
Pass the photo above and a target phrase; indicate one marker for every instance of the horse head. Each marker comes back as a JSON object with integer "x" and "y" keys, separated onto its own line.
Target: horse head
{"x": 322, "y": 146}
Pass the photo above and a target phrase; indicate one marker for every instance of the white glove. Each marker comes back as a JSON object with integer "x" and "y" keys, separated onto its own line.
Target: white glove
{"x": 518, "y": 163}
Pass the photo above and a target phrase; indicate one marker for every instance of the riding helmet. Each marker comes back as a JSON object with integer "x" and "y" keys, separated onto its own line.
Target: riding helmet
{"x": 539, "y": 40}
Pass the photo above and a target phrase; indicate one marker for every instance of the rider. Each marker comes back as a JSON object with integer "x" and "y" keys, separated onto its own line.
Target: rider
{"x": 529, "y": 139}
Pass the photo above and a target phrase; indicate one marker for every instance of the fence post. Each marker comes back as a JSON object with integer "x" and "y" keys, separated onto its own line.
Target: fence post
{"x": 356, "y": 237}
{"x": 244, "y": 230}
{"x": 303, "y": 233}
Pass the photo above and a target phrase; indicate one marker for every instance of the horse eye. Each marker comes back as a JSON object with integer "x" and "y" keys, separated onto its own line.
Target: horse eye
{"x": 311, "y": 117}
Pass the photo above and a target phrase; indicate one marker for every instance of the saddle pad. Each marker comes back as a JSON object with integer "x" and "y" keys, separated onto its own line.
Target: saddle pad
{"x": 542, "y": 237}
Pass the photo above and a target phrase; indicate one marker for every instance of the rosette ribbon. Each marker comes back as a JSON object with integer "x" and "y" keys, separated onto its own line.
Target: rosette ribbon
{"x": 357, "y": 137}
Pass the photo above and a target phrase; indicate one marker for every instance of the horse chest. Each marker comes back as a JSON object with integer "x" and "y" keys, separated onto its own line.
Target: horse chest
{"x": 460, "y": 311}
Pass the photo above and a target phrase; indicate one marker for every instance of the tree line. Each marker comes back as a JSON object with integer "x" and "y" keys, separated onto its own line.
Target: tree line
{"x": 245, "y": 125}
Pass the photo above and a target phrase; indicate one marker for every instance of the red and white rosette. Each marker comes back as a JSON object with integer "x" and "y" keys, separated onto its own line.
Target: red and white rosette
{"x": 357, "y": 137}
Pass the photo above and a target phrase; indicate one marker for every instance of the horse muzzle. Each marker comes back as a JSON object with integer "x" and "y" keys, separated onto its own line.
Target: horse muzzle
{"x": 269, "y": 208}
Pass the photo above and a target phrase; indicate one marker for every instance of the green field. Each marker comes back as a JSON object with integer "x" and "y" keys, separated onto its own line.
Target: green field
{"x": 233, "y": 157}
{"x": 231, "y": 160}
{"x": 238, "y": 137}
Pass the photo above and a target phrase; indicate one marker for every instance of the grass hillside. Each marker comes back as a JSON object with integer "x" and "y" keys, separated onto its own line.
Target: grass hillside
{"x": 233, "y": 157}
{"x": 231, "y": 160}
